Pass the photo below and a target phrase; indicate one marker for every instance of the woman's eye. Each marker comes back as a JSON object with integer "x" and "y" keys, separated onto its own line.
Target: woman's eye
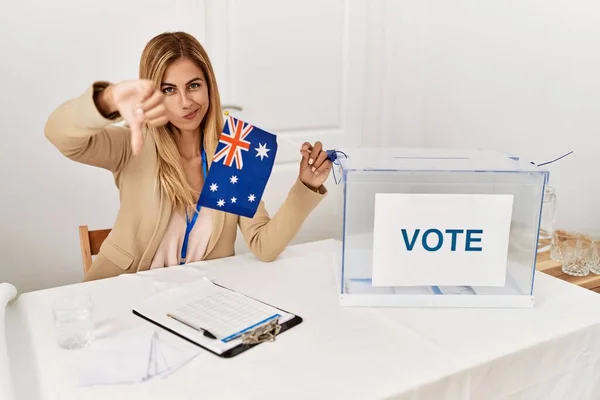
{"x": 194, "y": 86}
{"x": 168, "y": 90}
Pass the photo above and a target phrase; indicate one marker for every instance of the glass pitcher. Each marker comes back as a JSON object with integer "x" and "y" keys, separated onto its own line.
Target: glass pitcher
{"x": 547, "y": 220}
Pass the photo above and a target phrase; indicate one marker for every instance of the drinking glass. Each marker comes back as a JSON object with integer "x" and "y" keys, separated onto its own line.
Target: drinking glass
{"x": 558, "y": 238}
{"x": 571, "y": 250}
{"x": 594, "y": 256}
{"x": 73, "y": 321}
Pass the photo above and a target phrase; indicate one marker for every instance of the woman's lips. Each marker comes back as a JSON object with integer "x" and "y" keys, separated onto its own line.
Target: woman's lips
{"x": 191, "y": 115}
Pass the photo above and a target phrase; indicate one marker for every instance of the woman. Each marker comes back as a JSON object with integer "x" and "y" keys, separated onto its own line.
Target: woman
{"x": 172, "y": 113}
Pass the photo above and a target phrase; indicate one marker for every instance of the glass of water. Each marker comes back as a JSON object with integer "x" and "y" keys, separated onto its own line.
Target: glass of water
{"x": 73, "y": 321}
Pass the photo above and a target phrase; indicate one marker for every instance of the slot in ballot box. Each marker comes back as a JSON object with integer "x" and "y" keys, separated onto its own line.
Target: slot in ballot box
{"x": 437, "y": 228}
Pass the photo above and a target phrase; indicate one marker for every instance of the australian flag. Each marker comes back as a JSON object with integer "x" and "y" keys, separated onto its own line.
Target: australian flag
{"x": 240, "y": 169}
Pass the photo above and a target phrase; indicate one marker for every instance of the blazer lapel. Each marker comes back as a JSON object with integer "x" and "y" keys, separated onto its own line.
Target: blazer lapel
{"x": 164, "y": 215}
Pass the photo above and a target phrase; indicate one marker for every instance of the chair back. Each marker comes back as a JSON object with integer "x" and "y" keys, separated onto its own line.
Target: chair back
{"x": 90, "y": 242}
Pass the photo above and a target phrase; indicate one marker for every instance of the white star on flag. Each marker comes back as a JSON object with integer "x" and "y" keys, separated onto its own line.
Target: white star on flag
{"x": 213, "y": 187}
{"x": 233, "y": 179}
{"x": 221, "y": 203}
{"x": 251, "y": 198}
{"x": 261, "y": 151}
{"x": 233, "y": 199}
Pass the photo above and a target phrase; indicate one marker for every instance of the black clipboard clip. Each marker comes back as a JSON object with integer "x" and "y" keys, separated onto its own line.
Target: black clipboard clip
{"x": 262, "y": 333}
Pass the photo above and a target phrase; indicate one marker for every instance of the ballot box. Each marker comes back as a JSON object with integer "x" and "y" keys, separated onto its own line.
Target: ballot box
{"x": 437, "y": 227}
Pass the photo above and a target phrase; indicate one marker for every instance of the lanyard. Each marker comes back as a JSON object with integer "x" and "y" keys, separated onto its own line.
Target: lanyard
{"x": 190, "y": 224}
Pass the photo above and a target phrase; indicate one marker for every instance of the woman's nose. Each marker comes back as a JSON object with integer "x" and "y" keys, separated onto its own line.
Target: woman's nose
{"x": 186, "y": 102}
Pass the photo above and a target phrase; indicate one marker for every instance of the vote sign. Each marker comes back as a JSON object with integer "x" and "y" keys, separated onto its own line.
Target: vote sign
{"x": 441, "y": 239}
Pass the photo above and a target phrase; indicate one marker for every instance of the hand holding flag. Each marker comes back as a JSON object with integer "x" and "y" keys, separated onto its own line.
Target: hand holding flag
{"x": 314, "y": 166}
{"x": 242, "y": 165}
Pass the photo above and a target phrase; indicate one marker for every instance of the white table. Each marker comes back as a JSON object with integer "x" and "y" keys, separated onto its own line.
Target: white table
{"x": 549, "y": 352}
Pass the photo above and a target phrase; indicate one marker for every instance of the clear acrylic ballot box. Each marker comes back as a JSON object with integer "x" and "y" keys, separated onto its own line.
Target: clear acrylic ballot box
{"x": 437, "y": 228}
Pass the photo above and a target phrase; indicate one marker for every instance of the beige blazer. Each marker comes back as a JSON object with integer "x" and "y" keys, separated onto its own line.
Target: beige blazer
{"x": 82, "y": 134}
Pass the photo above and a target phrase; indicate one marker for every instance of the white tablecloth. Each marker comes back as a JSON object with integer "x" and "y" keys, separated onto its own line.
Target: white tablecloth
{"x": 549, "y": 352}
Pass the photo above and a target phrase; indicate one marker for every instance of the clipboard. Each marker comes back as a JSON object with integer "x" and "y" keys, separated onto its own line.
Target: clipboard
{"x": 154, "y": 310}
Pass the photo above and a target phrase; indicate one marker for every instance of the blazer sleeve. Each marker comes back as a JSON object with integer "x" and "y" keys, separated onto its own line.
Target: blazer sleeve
{"x": 81, "y": 133}
{"x": 267, "y": 237}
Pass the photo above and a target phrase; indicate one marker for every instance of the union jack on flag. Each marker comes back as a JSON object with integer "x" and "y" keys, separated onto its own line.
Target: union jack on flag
{"x": 240, "y": 169}
{"x": 234, "y": 139}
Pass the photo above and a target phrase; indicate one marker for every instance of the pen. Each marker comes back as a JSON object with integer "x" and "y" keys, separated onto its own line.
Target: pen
{"x": 206, "y": 333}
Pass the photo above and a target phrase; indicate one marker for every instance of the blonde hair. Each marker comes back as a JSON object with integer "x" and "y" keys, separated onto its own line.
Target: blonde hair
{"x": 160, "y": 52}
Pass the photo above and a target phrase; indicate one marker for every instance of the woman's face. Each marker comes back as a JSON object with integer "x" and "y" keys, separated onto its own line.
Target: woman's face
{"x": 186, "y": 94}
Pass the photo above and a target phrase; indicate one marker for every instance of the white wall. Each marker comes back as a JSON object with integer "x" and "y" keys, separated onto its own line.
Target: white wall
{"x": 521, "y": 76}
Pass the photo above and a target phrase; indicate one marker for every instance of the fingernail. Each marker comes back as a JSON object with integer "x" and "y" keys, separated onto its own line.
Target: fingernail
{"x": 310, "y": 162}
{"x": 139, "y": 111}
{"x": 313, "y": 169}
{"x": 316, "y": 173}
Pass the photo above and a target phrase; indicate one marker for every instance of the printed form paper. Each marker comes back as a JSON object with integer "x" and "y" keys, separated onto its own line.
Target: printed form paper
{"x": 224, "y": 313}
